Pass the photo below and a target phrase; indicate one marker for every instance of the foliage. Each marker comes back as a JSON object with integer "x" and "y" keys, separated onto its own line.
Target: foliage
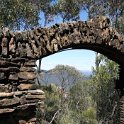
{"x": 90, "y": 115}
{"x": 67, "y": 76}
{"x": 18, "y": 14}
{"x": 68, "y": 9}
{"x": 52, "y": 101}
{"x": 105, "y": 95}
{"x": 23, "y": 14}
{"x": 71, "y": 105}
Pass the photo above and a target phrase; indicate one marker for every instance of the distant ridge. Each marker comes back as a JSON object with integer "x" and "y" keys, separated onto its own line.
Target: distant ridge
{"x": 87, "y": 72}
{"x": 46, "y": 76}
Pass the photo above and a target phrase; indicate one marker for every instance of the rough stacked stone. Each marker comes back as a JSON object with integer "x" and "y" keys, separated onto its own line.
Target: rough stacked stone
{"x": 18, "y": 97}
{"x": 20, "y": 50}
{"x": 95, "y": 34}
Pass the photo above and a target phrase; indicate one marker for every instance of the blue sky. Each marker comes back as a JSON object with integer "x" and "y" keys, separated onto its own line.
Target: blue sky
{"x": 80, "y": 59}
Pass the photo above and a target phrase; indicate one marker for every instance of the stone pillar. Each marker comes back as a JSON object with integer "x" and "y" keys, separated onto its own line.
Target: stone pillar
{"x": 120, "y": 88}
{"x": 122, "y": 108}
{"x": 18, "y": 96}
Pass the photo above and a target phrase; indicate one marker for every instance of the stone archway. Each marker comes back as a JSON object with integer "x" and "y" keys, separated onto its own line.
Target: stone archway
{"x": 20, "y": 50}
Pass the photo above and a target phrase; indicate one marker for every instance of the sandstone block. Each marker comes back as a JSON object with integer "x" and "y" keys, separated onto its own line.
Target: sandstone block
{"x": 22, "y": 122}
{"x": 35, "y": 97}
{"x": 8, "y": 102}
{"x": 28, "y": 69}
{"x": 13, "y": 77}
{"x": 6, "y": 110}
{"x": 30, "y": 64}
{"x": 35, "y": 92}
{"x": 25, "y": 86}
{"x": 3, "y": 88}
{"x": 26, "y": 75}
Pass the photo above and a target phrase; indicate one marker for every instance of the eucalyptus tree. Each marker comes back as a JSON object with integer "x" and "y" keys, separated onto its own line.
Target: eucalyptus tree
{"x": 67, "y": 76}
{"x": 68, "y": 9}
{"x": 104, "y": 94}
{"x": 23, "y": 14}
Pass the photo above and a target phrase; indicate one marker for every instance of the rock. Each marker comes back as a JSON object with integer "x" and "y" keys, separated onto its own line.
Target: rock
{"x": 8, "y": 102}
{"x": 2, "y": 76}
{"x": 32, "y": 120}
{"x": 35, "y": 92}
{"x": 22, "y": 122}
{"x": 4, "y": 63}
{"x": 3, "y": 88}
{"x": 26, "y": 75}
{"x": 25, "y": 106}
{"x": 29, "y": 51}
{"x": 25, "y": 86}
{"x": 4, "y": 52}
{"x": 18, "y": 36}
{"x": 27, "y": 69}
{"x": 17, "y": 93}
{"x": 6, "y": 110}
{"x": 13, "y": 77}
{"x": 18, "y": 60}
{"x": 12, "y": 45}
{"x": 30, "y": 64}
{"x": 35, "y": 97}
{"x": 4, "y": 46}
{"x": 22, "y": 81}
{"x": 4, "y": 94}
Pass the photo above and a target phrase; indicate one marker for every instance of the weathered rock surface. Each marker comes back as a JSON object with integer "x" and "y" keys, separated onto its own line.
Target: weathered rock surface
{"x": 25, "y": 86}
{"x": 21, "y": 104}
{"x": 26, "y": 75}
{"x": 17, "y": 99}
{"x": 9, "y": 102}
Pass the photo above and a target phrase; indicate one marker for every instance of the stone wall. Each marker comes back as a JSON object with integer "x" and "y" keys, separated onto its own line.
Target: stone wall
{"x": 20, "y": 50}
{"x": 18, "y": 97}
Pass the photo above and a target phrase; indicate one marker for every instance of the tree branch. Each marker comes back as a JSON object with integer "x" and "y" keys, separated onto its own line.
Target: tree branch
{"x": 54, "y": 116}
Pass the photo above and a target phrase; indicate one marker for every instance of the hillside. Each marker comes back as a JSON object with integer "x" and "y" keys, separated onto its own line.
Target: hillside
{"x": 47, "y": 77}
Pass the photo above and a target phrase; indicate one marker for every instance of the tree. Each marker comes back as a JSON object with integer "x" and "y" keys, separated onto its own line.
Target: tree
{"x": 21, "y": 14}
{"x": 67, "y": 76}
{"x": 105, "y": 95}
{"x": 73, "y": 104}
{"x": 82, "y": 104}
{"x": 18, "y": 14}
{"x": 68, "y": 9}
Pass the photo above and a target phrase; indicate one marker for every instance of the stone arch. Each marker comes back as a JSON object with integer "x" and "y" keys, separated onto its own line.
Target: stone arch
{"x": 95, "y": 34}
{"x": 20, "y": 50}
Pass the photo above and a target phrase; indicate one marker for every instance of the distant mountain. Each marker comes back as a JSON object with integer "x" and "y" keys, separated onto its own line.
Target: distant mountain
{"x": 87, "y": 72}
{"x": 47, "y": 77}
